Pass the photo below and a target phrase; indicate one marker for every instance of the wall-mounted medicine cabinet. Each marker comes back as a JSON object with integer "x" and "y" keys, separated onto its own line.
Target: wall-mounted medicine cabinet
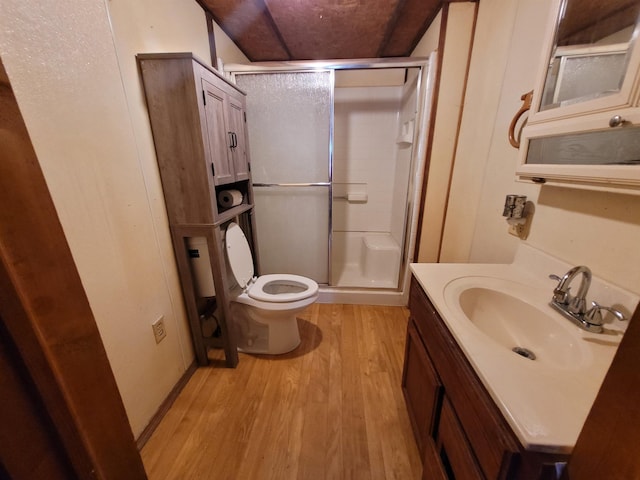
{"x": 584, "y": 125}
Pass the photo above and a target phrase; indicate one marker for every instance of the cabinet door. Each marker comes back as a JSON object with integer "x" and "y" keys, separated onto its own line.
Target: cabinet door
{"x": 236, "y": 124}
{"x": 218, "y": 136}
{"x": 420, "y": 385}
{"x": 457, "y": 458}
{"x": 589, "y": 62}
{"x": 583, "y": 124}
{"x": 589, "y": 150}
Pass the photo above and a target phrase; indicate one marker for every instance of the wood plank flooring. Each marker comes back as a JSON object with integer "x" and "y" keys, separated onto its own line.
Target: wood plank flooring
{"x": 331, "y": 409}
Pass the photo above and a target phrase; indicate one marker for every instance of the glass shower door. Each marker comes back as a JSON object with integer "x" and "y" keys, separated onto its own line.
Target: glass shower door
{"x": 289, "y": 123}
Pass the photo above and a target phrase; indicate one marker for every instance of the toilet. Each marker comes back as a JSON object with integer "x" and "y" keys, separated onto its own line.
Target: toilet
{"x": 264, "y": 308}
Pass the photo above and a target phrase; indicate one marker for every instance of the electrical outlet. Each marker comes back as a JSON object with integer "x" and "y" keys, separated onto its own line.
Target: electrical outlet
{"x": 520, "y": 230}
{"x": 516, "y": 230}
{"x": 158, "y": 329}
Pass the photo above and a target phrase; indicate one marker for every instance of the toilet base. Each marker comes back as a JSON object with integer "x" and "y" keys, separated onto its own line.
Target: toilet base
{"x": 264, "y": 331}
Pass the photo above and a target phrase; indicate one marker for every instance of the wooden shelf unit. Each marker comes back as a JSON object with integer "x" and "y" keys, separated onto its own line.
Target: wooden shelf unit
{"x": 198, "y": 122}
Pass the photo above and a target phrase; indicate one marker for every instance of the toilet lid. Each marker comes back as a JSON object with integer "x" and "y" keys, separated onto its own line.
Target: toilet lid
{"x": 239, "y": 255}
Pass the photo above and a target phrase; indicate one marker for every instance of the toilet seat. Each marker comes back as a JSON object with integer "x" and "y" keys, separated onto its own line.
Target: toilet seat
{"x": 273, "y": 288}
{"x": 259, "y": 290}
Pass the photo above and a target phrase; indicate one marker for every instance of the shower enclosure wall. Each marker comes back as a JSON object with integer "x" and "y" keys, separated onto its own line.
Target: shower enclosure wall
{"x": 337, "y": 155}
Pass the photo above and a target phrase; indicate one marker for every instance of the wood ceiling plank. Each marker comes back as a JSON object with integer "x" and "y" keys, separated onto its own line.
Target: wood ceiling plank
{"x": 413, "y": 21}
{"x": 248, "y": 23}
{"x": 322, "y": 29}
{"x": 392, "y": 25}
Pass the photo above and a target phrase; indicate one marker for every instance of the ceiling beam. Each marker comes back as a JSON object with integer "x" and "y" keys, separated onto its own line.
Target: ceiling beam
{"x": 275, "y": 28}
{"x": 391, "y": 27}
{"x": 210, "y": 31}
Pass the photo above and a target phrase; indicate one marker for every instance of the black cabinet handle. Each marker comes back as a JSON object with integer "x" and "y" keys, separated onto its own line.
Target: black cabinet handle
{"x": 233, "y": 140}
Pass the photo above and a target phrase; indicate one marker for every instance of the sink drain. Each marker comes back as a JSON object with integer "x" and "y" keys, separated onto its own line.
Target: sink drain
{"x": 524, "y": 352}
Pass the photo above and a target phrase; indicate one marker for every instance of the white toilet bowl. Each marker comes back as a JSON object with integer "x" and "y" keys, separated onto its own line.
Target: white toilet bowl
{"x": 264, "y": 308}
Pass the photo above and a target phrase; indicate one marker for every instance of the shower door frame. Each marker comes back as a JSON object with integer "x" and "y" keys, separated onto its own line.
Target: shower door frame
{"x": 424, "y": 87}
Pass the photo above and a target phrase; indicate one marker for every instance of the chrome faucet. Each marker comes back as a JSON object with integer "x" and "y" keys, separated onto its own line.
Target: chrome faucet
{"x": 575, "y": 307}
{"x": 577, "y": 304}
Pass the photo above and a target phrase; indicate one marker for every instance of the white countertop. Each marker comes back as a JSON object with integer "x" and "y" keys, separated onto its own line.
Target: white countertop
{"x": 546, "y": 404}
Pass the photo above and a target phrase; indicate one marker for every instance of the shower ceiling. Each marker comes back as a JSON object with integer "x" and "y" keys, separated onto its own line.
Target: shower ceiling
{"x": 267, "y": 30}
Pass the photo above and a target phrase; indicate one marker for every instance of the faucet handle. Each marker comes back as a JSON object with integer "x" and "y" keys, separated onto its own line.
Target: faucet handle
{"x": 594, "y": 315}
{"x": 559, "y": 295}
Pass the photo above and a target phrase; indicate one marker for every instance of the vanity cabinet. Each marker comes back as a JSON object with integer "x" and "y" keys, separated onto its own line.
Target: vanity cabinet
{"x": 458, "y": 427}
{"x": 198, "y": 123}
{"x": 421, "y": 387}
{"x": 455, "y": 454}
{"x": 584, "y": 122}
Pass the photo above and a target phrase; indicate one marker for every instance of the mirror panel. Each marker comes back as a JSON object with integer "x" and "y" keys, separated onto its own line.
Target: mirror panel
{"x": 593, "y": 43}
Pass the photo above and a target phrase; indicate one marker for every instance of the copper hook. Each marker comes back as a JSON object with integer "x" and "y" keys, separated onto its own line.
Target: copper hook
{"x": 526, "y": 105}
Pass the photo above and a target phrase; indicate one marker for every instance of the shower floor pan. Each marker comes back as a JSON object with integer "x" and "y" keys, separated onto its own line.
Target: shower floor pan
{"x": 377, "y": 265}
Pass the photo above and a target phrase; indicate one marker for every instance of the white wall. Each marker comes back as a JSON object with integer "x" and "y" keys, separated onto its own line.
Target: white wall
{"x": 483, "y": 92}
{"x": 78, "y": 90}
{"x": 490, "y": 241}
{"x": 429, "y": 41}
{"x": 365, "y": 131}
{"x": 598, "y": 229}
{"x": 454, "y": 56}
{"x": 226, "y": 49}
{"x": 454, "y": 62}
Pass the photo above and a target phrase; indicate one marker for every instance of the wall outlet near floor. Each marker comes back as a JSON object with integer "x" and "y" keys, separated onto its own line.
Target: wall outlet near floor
{"x": 158, "y": 329}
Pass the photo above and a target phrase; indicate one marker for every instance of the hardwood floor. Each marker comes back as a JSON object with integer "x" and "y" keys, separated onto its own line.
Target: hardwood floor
{"x": 331, "y": 409}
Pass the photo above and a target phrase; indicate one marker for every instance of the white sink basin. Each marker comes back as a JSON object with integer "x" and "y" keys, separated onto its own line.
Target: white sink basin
{"x": 491, "y": 308}
{"x": 528, "y": 331}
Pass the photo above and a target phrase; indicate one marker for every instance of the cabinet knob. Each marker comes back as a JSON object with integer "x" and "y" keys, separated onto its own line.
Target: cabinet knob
{"x": 616, "y": 121}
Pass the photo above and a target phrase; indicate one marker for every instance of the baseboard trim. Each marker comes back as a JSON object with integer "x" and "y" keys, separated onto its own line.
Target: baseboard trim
{"x": 165, "y": 406}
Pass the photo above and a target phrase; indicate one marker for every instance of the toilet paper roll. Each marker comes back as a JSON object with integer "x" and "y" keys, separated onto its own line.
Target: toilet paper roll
{"x": 229, "y": 198}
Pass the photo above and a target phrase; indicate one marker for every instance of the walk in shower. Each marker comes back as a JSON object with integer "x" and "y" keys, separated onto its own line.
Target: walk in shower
{"x": 337, "y": 154}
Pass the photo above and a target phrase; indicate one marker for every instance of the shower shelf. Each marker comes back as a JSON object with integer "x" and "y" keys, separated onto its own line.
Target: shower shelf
{"x": 404, "y": 140}
{"x": 406, "y": 133}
